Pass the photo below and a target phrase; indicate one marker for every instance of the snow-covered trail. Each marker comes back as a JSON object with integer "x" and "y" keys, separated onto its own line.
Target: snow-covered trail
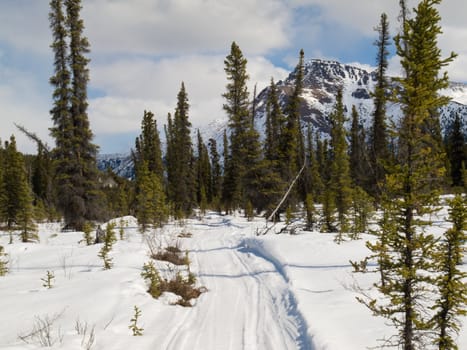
{"x": 248, "y": 304}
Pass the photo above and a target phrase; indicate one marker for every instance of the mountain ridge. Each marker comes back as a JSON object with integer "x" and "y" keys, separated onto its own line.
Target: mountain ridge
{"x": 322, "y": 79}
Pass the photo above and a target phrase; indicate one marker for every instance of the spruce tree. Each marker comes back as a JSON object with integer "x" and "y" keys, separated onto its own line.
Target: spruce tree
{"x": 3, "y": 262}
{"x": 79, "y": 197}
{"x": 150, "y": 198}
{"x": 275, "y": 122}
{"x": 42, "y": 182}
{"x": 452, "y": 301}
{"x": 148, "y": 145}
{"x": 315, "y": 179}
{"x": 151, "y": 207}
{"x": 203, "y": 174}
{"x": 272, "y": 167}
{"x": 457, "y": 152}
{"x": 357, "y": 151}
{"x": 237, "y": 108}
{"x": 3, "y": 198}
{"x": 256, "y": 182}
{"x": 411, "y": 185}
{"x": 339, "y": 180}
{"x": 17, "y": 194}
{"x": 180, "y": 175}
{"x": 216, "y": 174}
{"x": 292, "y": 141}
{"x": 379, "y": 150}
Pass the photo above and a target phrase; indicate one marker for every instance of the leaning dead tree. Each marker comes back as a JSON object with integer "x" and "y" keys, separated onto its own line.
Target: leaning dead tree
{"x": 33, "y": 137}
{"x": 284, "y": 198}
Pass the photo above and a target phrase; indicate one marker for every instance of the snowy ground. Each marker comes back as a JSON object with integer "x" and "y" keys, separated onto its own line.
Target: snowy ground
{"x": 269, "y": 292}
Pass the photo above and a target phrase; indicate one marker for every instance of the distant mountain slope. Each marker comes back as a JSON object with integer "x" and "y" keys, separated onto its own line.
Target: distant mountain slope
{"x": 121, "y": 164}
{"x": 321, "y": 81}
{"x": 323, "y": 78}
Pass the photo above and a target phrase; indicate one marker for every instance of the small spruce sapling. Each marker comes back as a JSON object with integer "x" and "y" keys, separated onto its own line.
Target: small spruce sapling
{"x": 289, "y": 215}
{"x": 3, "y": 262}
{"x": 87, "y": 229}
{"x": 452, "y": 302}
{"x": 151, "y": 274}
{"x": 310, "y": 211}
{"x": 137, "y": 331}
{"x": 109, "y": 240}
{"x": 121, "y": 229}
{"x": 48, "y": 280}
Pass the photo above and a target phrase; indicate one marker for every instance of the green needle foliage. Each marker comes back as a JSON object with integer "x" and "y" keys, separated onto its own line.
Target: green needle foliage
{"x": 137, "y": 331}
{"x": 109, "y": 240}
{"x": 3, "y": 262}
{"x": 411, "y": 188}
{"x": 452, "y": 301}
{"x": 48, "y": 280}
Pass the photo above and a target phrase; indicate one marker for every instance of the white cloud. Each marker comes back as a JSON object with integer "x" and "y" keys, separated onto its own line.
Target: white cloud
{"x": 23, "y": 102}
{"x": 141, "y": 50}
{"x": 135, "y": 85}
{"x": 183, "y": 27}
{"x": 24, "y": 25}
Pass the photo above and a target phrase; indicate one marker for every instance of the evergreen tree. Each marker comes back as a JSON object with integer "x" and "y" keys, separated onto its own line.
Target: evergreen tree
{"x": 203, "y": 174}
{"x": 379, "y": 150}
{"x": 75, "y": 155}
{"x": 275, "y": 121}
{"x": 339, "y": 180}
{"x": 148, "y": 145}
{"x": 150, "y": 198}
{"x": 3, "y": 198}
{"x": 42, "y": 181}
{"x": 292, "y": 141}
{"x": 151, "y": 207}
{"x": 273, "y": 185}
{"x": 228, "y": 180}
{"x": 216, "y": 174}
{"x": 315, "y": 179}
{"x": 180, "y": 168}
{"x": 237, "y": 109}
{"x": 411, "y": 185}
{"x": 457, "y": 152}
{"x": 18, "y": 198}
{"x": 357, "y": 156}
{"x": 3, "y": 262}
{"x": 258, "y": 184}
{"x": 452, "y": 300}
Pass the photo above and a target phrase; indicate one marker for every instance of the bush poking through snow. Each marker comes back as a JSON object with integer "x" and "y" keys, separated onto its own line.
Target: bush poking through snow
{"x": 137, "y": 331}
{"x": 88, "y": 335}
{"x": 48, "y": 280}
{"x": 172, "y": 254}
{"x": 178, "y": 284}
{"x": 42, "y": 332}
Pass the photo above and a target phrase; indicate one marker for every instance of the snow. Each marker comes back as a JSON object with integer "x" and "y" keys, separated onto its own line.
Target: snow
{"x": 267, "y": 292}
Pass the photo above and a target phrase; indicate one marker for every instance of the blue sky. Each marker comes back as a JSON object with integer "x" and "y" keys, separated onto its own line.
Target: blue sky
{"x": 141, "y": 50}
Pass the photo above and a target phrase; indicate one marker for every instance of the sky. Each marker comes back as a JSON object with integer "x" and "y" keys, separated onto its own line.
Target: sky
{"x": 141, "y": 51}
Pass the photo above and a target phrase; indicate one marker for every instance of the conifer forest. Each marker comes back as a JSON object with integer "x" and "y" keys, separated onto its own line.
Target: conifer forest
{"x": 271, "y": 232}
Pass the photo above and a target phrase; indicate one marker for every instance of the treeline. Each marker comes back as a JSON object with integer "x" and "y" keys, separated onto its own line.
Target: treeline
{"x": 346, "y": 173}
{"x": 399, "y": 169}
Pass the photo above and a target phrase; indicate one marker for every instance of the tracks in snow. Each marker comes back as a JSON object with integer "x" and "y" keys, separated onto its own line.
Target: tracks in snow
{"x": 248, "y": 304}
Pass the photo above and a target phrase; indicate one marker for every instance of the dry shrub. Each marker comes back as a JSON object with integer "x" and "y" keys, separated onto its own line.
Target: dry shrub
{"x": 179, "y": 285}
{"x": 172, "y": 254}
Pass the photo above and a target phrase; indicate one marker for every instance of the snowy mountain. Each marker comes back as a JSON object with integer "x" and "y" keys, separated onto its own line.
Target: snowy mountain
{"x": 121, "y": 164}
{"x": 322, "y": 79}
